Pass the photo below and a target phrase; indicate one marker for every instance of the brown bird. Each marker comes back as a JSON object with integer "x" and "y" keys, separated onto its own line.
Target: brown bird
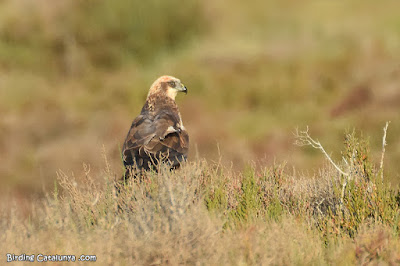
{"x": 157, "y": 134}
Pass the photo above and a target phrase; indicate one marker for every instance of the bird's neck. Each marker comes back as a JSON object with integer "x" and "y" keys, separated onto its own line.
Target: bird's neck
{"x": 157, "y": 102}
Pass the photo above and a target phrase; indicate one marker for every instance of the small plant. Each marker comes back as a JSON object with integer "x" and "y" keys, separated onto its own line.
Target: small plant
{"x": 358, "y": 194}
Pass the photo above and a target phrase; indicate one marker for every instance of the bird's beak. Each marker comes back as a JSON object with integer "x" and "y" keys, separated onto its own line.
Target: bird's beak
{"x": 183, "y": 89}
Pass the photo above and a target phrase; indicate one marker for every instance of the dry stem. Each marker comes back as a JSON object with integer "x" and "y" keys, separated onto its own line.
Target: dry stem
{"x": 383, "y": 147}
{"x": 304, "y": 139}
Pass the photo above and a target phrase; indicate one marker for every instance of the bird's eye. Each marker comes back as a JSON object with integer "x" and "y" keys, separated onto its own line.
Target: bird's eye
{"x": 171, "y": 84}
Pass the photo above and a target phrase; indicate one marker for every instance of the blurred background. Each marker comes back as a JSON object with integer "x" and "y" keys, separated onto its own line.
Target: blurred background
{"x": 75, "y": 73}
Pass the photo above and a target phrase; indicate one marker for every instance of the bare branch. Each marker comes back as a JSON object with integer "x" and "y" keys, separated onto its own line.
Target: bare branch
{"x": 304, "y": 139}
{"x": 383, "y": 147}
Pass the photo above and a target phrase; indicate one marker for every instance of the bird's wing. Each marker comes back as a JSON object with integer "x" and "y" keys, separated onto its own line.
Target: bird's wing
{"x": 173, "y": 144}
{"x": 156, "y": 136}
{"x": 141, "y": 132}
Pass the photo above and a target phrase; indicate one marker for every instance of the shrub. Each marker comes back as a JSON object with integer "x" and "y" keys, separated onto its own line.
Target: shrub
{"x": 203, "y": 213}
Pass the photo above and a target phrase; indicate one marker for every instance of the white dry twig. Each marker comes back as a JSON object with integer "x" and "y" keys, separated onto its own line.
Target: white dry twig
{"x": 304, "y": 139}
{"x": 383, "y": 147}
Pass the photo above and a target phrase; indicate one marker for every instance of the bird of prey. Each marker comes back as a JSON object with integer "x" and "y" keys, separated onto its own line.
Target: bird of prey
{"x": 157, "y": 134}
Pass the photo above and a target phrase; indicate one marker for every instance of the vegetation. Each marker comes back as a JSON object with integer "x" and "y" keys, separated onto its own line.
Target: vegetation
{"x": 207, "y": 214}
{"x": 74, "y": 73}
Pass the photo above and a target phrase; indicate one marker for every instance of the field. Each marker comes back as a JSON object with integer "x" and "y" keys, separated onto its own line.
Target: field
{"x": 74, "y": 74}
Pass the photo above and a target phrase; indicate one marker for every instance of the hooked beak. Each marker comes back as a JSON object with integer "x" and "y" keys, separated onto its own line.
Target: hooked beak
{"x": 183, "y": 89}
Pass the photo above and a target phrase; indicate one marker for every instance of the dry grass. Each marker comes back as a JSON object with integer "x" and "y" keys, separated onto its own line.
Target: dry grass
{"x": 207, "y": 214}
{"x": 73, "y": 75}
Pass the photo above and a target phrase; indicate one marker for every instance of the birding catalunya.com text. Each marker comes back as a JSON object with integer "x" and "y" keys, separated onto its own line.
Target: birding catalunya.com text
{"x": 50, "y": 258}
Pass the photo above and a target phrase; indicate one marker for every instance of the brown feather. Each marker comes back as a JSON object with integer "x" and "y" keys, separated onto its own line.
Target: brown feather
{"x": 157, "y": 134}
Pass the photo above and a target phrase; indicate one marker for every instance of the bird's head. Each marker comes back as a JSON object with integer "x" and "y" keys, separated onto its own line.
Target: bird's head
{"x": 168, "y": 85}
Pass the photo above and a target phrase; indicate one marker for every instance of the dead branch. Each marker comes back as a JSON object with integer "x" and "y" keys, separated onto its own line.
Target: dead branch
{"x": 304, "y": 139}
{"x": 383, "y": 147}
